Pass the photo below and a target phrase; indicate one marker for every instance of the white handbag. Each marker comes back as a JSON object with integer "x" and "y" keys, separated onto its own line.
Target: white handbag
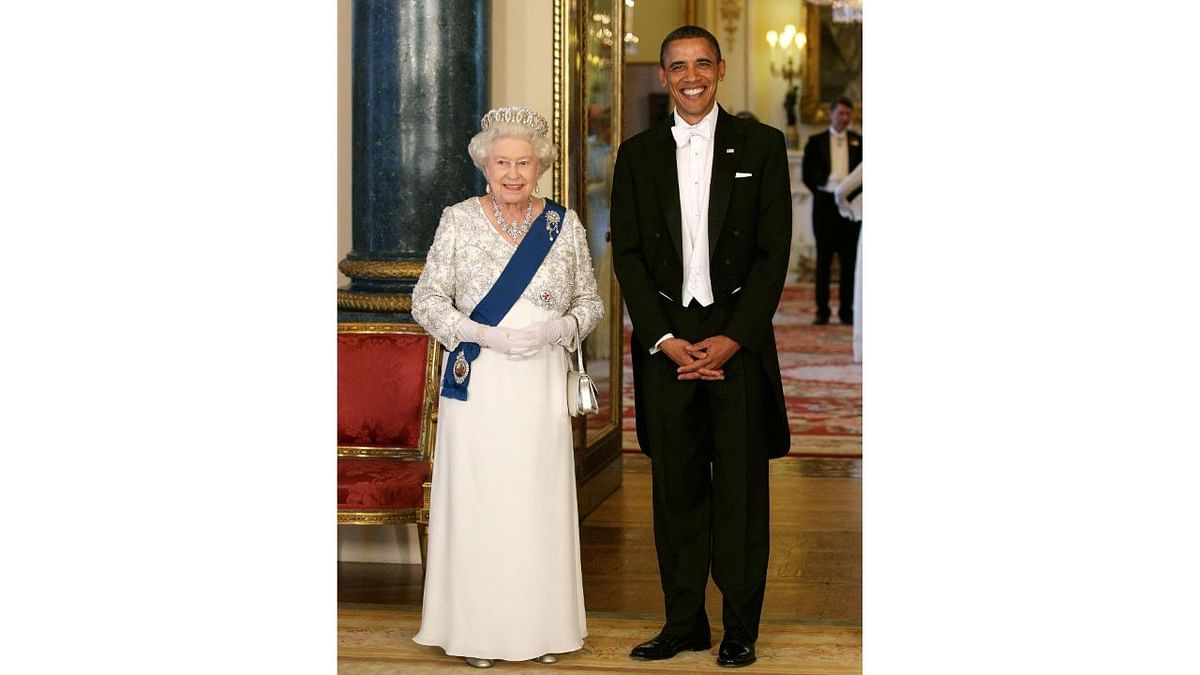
{"x": 582, "y": 397}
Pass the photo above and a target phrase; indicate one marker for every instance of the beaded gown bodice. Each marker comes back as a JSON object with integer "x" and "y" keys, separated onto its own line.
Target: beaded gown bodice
{"x": 468, "y": 255}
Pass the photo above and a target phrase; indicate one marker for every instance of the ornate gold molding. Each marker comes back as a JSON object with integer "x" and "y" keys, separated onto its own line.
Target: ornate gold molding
{"x": 731, "y": 13}
{"x": 618, "y": 77}
{"x": 690, "y": 15}
{"x": 812, "y": 108}
{"x": 562, "y": 86}
{"x": 379, "y": 517}
{"x": 373, "y": 302}
{"x": 380, "y": 328}
{"x": 429, "y": 410}
{"x": 369, "y": 452}
{"x": 381, "y": 269}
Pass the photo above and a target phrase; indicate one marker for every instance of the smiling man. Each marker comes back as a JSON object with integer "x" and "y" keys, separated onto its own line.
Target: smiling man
{"x": 701, "y": 230}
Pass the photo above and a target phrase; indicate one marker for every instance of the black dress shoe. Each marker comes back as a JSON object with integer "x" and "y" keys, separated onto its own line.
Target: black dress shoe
{"x": 846, "y": 320}
{"x": 735, "y": 653}
{"x": 666, "y": 646}
{"x": 820, "y": 321}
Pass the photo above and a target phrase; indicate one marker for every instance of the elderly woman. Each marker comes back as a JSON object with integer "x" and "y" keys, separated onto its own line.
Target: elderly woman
{"x": 507, "y": 288}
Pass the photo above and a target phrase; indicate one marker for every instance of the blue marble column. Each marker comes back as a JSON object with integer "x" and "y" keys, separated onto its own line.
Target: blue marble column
{"x": 419, "y": 86}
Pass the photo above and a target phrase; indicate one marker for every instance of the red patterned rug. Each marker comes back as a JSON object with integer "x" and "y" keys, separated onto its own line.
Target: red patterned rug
{"x": 821, "y": 383}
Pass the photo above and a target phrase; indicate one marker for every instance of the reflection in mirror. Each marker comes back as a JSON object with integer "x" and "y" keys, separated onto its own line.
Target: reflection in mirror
{"x": 598, "y": 105}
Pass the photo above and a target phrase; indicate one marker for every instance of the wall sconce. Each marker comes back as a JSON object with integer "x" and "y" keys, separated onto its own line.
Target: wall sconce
{"x": 787, "y": 49}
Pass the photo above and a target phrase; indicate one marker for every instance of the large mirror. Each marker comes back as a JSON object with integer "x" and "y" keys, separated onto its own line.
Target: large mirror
{"x": 587, "y": 115}
{"x": 600, "y": 88}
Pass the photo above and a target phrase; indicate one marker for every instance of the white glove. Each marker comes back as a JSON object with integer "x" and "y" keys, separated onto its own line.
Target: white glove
{"x": 529, "y": 340}
{"x": 488, "y": 337}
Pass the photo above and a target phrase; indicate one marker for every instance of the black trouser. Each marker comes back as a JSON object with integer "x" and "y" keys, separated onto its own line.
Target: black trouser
{"x": 710, "y": 479}
{"x": 834, "y": 235}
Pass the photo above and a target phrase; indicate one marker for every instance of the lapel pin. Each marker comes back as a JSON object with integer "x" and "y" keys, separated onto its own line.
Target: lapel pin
{"x": 729, "y": 151}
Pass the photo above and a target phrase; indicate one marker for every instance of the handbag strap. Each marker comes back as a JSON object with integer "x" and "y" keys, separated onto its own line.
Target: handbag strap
{"x": 579, "y": 347}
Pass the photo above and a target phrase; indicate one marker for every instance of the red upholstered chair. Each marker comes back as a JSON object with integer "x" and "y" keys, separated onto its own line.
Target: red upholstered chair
{"x": 387, "y": 395}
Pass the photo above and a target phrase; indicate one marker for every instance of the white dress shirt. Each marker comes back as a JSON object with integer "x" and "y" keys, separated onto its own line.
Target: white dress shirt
{"x": 839, "y": 158}
{"x": 693, "y": 168}
{"x": 693, "y": 162}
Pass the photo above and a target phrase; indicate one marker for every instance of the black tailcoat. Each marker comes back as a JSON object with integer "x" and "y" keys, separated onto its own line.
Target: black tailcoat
{"x": 749, "y": 237}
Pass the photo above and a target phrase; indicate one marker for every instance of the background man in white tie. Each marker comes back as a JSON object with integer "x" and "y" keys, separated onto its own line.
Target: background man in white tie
{"x": 828, "y": 158}
{"x": 701, "y": 230}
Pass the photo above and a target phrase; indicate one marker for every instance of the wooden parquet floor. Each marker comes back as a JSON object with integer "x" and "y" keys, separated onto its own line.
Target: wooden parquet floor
{"x": 812, "y": 615}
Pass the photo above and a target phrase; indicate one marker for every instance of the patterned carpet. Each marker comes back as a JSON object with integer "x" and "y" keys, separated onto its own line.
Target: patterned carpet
{"x": 821, "y": 383}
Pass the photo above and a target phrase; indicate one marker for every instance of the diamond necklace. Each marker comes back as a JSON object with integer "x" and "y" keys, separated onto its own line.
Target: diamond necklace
{"x": 516, "y": 230}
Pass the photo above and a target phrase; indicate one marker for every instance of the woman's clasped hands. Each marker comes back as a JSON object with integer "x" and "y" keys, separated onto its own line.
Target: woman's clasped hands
{"x": 529, "y": 340}
{"x": 519, "y": 343}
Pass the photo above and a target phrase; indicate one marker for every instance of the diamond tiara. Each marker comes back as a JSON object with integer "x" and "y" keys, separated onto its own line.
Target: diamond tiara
{"x": 515, "y": 115}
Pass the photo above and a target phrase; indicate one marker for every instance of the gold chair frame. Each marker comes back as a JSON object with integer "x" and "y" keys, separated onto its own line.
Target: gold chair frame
{"x": 424, "y": 449}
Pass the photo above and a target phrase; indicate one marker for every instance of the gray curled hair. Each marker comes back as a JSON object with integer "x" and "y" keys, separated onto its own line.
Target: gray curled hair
{"x": 480, "y": 147}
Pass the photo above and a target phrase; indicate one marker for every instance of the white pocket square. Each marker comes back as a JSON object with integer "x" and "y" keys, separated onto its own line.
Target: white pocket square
{"x": 739, "y": 174}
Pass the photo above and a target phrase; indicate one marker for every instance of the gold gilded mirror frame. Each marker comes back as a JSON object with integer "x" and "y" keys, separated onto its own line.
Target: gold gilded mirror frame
{"x": 587, "y": 63}
{"x": 566, "y": 98}
{"x": 814, "y": 105}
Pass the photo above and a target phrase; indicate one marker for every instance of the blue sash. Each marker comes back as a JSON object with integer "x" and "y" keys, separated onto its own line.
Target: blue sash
{"x": 503, "y": 295}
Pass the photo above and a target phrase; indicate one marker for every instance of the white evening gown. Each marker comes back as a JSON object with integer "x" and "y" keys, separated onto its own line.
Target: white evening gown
{"x": 503, "y": 577}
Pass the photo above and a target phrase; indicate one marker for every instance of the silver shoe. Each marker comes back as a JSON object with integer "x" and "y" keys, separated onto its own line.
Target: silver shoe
{"x": 478, "y": 663}
{"x": 546, "y": 658}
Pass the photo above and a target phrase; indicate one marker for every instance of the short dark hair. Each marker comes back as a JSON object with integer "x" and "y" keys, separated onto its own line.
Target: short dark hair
{"x": 685, "y": 33}
{"x": 841, "y": 100}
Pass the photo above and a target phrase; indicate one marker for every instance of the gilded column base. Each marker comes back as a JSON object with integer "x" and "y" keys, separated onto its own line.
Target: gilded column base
{"x": 382, "y": 269}
{"x": 354, "y": 301}
{"x": 379, "y": 286}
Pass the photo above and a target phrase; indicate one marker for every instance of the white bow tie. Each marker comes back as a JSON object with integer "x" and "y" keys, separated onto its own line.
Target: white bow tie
{"x": 684, "y": 134}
